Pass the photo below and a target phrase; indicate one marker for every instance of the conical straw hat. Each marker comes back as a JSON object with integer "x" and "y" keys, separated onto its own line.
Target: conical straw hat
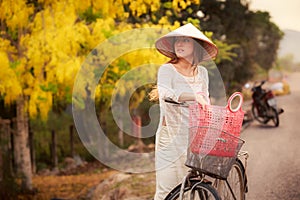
{"x": 165, "y": 44}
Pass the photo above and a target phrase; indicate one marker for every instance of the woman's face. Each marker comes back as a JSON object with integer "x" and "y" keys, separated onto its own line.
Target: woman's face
{"x": 184, "y": 47}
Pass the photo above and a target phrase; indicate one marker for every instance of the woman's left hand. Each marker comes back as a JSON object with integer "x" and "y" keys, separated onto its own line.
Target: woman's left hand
{"x": 200, "y": 99}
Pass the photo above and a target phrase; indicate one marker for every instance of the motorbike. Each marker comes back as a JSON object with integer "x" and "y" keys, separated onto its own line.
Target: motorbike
{"x": 264, "y": 106}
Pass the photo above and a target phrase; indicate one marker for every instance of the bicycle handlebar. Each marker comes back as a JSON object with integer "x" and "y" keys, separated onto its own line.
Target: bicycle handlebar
{"x": 170, "y": 100}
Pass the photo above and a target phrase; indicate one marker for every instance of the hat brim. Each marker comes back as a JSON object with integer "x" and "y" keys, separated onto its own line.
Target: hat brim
{"x": 165, "y": 44}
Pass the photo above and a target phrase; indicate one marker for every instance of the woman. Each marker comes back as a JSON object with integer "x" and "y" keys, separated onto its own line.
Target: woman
{"x": 181, "y": 79}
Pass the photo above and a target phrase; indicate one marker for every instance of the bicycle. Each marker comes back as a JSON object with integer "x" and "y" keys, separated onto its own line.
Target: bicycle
{"x": 210, "y": 183}
{"x": 213, "y": 188}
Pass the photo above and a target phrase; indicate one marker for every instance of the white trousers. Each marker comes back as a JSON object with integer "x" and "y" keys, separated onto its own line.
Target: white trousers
{"x": 170, "y": 156}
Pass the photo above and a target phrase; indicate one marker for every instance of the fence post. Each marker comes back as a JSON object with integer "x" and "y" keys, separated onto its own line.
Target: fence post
{"x": 136, "y": 128}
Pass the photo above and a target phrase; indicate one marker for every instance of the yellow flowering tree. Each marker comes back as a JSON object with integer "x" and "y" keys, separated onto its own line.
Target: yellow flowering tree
{"x": 44, "y": 42}
{"x": 42, "y": 46}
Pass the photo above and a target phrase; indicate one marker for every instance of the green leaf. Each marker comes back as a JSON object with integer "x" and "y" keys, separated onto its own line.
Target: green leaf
{"x": 51, "y": 87}
{"x": 167, "y": 5}
{"x": 14, "y": 64}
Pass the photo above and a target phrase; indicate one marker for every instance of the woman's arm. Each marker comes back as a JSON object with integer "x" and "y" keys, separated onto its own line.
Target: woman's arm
{"x": 185, "y": 96}
{"x": 164, "y": 83}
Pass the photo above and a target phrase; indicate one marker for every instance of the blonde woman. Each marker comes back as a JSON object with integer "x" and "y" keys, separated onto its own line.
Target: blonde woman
{"x": 182, "y": 79}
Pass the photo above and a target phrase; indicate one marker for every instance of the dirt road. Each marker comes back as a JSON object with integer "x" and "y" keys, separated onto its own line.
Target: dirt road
{"x": 274, "y": 162}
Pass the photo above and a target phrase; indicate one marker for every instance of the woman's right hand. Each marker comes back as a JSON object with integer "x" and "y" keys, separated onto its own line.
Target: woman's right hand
{"x": 199, "y": 97}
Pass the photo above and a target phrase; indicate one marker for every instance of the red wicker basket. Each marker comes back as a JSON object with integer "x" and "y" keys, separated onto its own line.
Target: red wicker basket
{"x": 215, "y": 130}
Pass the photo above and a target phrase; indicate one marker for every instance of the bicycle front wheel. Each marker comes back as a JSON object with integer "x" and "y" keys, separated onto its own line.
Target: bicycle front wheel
{"x": 234, "y": 187}
{"x": 194, "y": 191}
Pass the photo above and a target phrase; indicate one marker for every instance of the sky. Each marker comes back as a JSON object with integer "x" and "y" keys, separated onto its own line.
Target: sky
{"x": 284, "y": 13}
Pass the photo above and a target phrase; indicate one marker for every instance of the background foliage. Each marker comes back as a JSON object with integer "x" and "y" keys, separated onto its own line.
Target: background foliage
{"x": 44, "y": 42}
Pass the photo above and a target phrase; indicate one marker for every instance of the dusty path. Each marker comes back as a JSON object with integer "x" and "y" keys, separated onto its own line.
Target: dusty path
{"x": 274, "y": 162}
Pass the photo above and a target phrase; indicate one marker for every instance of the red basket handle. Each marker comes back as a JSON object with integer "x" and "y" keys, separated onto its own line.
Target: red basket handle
{"x": 234, "y": 95}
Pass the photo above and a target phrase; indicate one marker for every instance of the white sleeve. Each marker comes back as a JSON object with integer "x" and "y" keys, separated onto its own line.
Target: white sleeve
{"x": 204, "y": 76}
{"x": 164, "y": 83}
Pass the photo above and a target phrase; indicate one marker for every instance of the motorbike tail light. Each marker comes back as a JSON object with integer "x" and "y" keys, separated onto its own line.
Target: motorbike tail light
{"x": 270, "y": 94}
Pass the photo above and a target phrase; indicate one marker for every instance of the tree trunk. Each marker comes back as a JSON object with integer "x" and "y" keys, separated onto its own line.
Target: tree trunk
{"x": 104, "y": 151}
{"x": 7, "y": 182}
{"x": 53, "y": 149}
{"x": 121, "y": 126}
{"x": 120, "y": 133}
{"x": 21, "y": 146}
{"x": 4, "y": 146}
{"x": 1, "y": 164}
{"x": 72, "y": 141}
{"x": 32, "y": 151}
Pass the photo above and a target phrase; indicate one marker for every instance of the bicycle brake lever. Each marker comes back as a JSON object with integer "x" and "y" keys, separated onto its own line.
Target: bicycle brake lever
{"x": 170, "y": 100}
